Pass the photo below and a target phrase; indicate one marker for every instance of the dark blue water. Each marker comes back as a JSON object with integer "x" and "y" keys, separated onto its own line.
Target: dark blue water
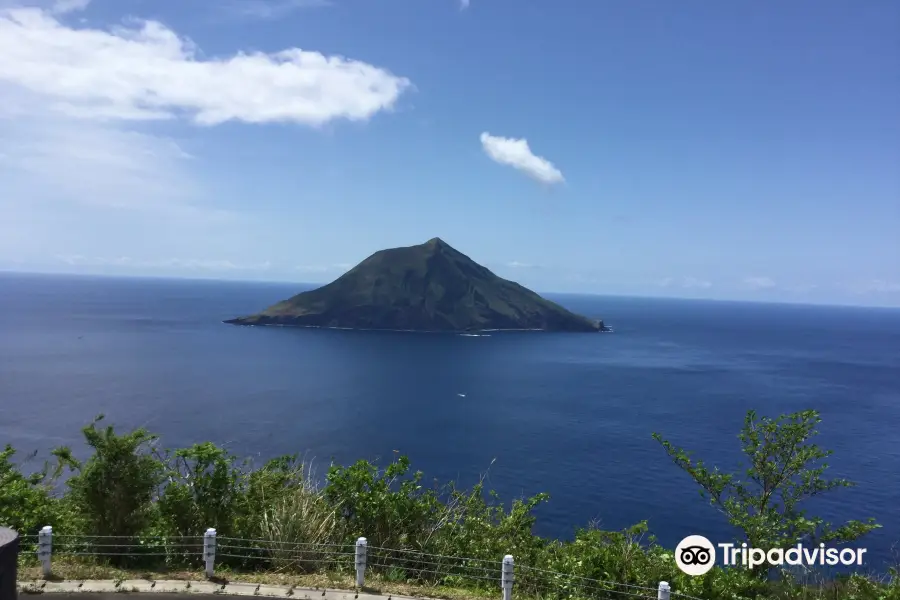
{"x": 568, "y": 414}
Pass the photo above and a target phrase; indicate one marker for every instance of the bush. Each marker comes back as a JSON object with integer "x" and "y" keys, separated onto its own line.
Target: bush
{"x": 130, "y": 488}
{"x": 26, "y": 503}
{"x": 112, "y": 492}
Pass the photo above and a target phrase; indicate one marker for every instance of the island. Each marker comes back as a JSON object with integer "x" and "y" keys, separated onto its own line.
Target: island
{"x": 428, "y": 287}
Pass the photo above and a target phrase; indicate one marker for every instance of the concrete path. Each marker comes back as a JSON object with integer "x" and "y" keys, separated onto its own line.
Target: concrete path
{"x": 141, "y": 589}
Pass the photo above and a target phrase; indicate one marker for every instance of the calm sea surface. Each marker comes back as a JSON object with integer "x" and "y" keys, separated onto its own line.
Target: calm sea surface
{"x": 568, "y": 414}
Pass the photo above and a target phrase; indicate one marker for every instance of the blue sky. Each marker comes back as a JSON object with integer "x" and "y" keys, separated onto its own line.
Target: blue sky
{"x": 734, "y": 150}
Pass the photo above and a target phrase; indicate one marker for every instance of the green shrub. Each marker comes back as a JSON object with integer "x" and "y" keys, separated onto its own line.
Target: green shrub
{"x": 202, "y": 489}
{"x": 783, "y": 470}
{"x": 112, "y": 491}
{"x": 26, "y": 503}
{"x": 283, "y": 519}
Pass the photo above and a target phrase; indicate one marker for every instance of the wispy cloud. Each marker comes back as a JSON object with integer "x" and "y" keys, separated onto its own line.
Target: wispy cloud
{"x": 876, "y": 286}
{"x": 47, "y": 158}
{"x": 520, "y": 265}
{"x": 516, "y": 153}
{"x": 147, "y": 71}
{"x": 170, "y": 263}
{"x": 56, "y": 7}
{"x": 800, "y": 288}
{"x": 464, "y": 4}
{"x": 324, "y": 268}
{"x": 62, "y": 7}
{"x": 272, "y": 9}
{"x": 759, "y": 283}
{"x": 684, "y": 282}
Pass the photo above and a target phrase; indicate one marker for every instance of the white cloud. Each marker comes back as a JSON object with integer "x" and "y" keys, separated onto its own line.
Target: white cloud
{"x": 464, "y": 4}
{"x": 685, "y": 282}
{"x": 520, "y": 265}
{"x": 272, "y": 9}
{"x": 147, "y": 71}
{"x": 759, "y": 283}
{"x": 75, "y": 143}
{"x": 517, "y": 154}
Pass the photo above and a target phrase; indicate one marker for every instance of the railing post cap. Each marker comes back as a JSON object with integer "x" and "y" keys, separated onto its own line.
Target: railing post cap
{"x": 211, "y": 531}
{"x": 664, "y": 585}
{"x": 508, "y": 558}
{"x": 361, "y": 541}
{"x": 47, "y": 529}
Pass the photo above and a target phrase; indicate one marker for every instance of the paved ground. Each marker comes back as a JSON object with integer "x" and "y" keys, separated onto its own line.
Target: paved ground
{"x": 142, "y": 589}
{"x": 118, "y": 596}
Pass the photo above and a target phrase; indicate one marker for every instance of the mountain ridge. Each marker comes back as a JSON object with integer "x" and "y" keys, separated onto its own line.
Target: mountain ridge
{"x": 426, "y": 287}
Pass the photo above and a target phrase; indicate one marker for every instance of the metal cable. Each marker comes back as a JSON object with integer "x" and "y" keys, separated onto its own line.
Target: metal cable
{"x": 329, "y": 553}
{"x": 251, "y": 541}
{"x": 130, "y": 537}
{"x": 432, "y": 555}
{"x": 127, "y": 554}
{"x": 480, "y": 577}
{"x": 277, "y": 558}
{"x": 379, "y": 552}
{"x": 496, "y": 569}
{"x": 120, "y": 545}
{"x": 587, "y": 579}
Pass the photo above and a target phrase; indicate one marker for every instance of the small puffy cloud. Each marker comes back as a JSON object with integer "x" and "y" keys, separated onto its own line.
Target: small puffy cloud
{"x": 685, "y": 282}
{"x": 759, "y": 283}
{"x": 517, "y": 154}
{"x": 147, "y": 71}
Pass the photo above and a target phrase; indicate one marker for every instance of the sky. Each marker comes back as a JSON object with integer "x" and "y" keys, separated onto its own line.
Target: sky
{"x": 743, "y": 150}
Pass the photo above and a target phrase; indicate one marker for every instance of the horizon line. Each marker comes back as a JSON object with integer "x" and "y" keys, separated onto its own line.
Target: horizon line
{"x": 213, "y": 279}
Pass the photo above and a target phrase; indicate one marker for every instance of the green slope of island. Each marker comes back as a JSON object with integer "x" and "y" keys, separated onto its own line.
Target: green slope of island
{"x": 429, "y": 287}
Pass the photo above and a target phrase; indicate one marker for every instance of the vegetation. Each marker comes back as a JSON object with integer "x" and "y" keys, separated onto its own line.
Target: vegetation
{"x": 784, "y": 470}
{"x": 276, "y": 523}
{"x": 429, "y": 287}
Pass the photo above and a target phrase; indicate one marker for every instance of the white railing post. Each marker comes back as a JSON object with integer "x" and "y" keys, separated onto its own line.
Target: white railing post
{"x": 209, "y": 551}
{"x": 507, "y": 576}
{"x": 361, "y": 546}
{"x": 664, "y": 591}
{"x": 45, "y": 549}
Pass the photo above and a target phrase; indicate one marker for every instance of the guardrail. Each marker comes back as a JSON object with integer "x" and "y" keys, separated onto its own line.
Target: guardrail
{"x": 9, "y": 554}
{"x": 359, "y": 559}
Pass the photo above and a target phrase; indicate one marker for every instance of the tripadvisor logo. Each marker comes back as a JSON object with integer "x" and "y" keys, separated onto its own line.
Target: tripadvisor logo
{"x": 696, "y": 555}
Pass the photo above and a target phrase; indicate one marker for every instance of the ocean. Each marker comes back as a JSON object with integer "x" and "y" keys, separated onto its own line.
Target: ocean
{"x": 567, "y": 414}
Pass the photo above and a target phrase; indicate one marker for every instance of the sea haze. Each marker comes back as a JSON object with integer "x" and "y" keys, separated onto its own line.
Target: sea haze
{"x": 568, "y": 414}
